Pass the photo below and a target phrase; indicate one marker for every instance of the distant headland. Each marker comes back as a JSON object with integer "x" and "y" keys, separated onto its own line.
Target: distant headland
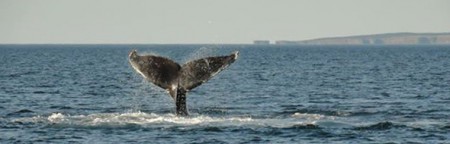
{"x": 376, "y": 39}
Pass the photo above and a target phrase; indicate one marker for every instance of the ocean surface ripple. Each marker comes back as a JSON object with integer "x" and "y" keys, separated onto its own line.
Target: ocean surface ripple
{"x": 271, "y": 94}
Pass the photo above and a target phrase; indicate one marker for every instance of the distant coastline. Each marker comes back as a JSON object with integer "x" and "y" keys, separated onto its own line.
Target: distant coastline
{"x": 377, "y": 39}
{"x": 374, "y": 39}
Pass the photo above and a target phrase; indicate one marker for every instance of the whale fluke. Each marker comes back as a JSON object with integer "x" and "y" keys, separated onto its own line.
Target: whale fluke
{"x": 178, "y": 80}
{"x": 196, "y": 72}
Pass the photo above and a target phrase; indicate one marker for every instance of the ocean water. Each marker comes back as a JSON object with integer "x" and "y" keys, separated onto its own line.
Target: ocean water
{"x": 271, "y": 94}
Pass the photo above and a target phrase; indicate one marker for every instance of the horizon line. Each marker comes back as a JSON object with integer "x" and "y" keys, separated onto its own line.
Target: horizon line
{"x": 206, "y": 43}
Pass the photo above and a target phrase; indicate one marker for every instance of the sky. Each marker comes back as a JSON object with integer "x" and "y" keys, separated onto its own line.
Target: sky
{"x": 212, "y": 21}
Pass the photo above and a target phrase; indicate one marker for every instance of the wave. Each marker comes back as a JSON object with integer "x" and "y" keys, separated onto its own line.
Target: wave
{"x": 21, "y": 112}
{"x": 15, "y": 75}
{"x": 142, "y": 119}
{"x": 379, "y": 126}
{"x": 289, "y": 109}
{"x": 386, "y": 125}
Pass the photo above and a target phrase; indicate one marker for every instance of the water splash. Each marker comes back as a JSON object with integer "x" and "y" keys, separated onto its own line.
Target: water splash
{"x": 166, "y": 120}
{"x": 202, "y": 52}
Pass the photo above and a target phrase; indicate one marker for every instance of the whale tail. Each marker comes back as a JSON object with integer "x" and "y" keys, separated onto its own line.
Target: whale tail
{"x": 178, "y": 80}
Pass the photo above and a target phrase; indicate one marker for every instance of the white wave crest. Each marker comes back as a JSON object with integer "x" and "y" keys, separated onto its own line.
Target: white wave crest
{"x": 165, "y": 120}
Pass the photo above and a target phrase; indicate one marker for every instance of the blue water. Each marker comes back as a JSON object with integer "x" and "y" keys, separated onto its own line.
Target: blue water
{"x": 271, "y": 94}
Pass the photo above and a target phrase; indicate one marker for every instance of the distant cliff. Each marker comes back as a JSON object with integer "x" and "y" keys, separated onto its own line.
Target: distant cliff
{"x": 379, "y": 39}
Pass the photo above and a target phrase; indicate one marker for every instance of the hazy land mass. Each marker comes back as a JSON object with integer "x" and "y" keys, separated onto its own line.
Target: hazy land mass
{"x": 378, "y": 39}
